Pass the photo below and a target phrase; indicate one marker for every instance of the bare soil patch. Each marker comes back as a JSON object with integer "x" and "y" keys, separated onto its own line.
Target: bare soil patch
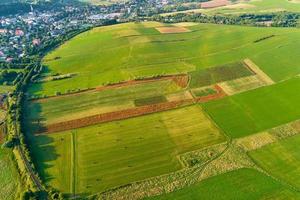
{"x": 172, "y": 29}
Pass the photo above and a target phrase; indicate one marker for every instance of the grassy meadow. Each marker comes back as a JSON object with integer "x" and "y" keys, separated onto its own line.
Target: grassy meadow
{"x": 112, "y": 155}
{"x": 95, "y": 102}
{"x": 240, "y": 184}
{"x": 281, "y": 160}
{"x": 104, "y": 156}
{"x": 9, "y": 178}
{"x": 134, "y": 50}
{"x": 257, "y": 110}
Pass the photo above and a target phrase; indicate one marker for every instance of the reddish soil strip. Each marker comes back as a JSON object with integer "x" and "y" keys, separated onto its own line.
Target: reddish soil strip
{"x": 129, "y": 113}
{"x": 180, "y": 79}
{"x": 220, "y": 94}
{"x": 113, "y": 116}
{"x": 214, "y": 3}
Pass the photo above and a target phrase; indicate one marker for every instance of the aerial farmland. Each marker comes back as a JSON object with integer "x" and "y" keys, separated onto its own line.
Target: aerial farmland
{"x": 169, "y": 111}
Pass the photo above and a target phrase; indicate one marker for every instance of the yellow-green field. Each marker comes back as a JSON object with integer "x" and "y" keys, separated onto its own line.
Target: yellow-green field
{"x": 101, "y": 157}
{"x": 135, "y": 50}
{"x": 202, "y": 151}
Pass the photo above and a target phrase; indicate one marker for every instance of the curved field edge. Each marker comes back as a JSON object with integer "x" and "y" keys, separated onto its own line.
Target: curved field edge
{"x": 136, "y": 50}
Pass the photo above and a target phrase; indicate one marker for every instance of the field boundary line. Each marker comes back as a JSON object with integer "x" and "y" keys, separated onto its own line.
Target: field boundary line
{"x": 73, "y": 173}
{"x": 114, "y": 116}
{"x": 128, "y": 113}
{"x": 260, "y": 73}
{"x": 115, "y": 85}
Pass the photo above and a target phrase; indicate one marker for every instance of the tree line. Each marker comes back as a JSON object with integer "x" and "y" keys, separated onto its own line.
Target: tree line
{"x": 280, "y": 19}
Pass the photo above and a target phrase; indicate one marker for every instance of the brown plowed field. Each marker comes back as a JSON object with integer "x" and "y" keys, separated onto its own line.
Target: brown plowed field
{"x": 112, "y": 116}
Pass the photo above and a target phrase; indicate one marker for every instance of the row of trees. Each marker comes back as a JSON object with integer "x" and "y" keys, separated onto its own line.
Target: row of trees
{"x": 281, "y": 19}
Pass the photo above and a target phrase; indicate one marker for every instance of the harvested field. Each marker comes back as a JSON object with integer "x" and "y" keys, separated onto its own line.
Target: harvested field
{"x": 256, "y": 141}
{"x": 241, "y": 85}
{"x": 217, "y": 74}
{"x": 113, "y": 116}
{"x": 260, "y": 74}
{"x": 185, "y": 24}
{"x": 179, "y": 96}
{"x": 119, "y": 153}
{"x": 214, "y": 4}
{"x": 172, "y": 29}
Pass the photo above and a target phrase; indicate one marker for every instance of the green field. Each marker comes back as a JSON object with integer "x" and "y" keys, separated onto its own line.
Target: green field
{"x": 100, "y": 157}
{"x": 254, "y": 111}
{"x": 134, "y": 50}
{"x": 282, "y": 160}
{"x": 240, "y": 184}
{"x": 118, "y": 154}
{"x": 249, "y": 6}
{"x": 91, "y": 103}
{"x": 9, "y": 178}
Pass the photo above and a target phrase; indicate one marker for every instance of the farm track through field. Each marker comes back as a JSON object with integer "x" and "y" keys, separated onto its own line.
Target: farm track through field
{"x": 180, "y": 79}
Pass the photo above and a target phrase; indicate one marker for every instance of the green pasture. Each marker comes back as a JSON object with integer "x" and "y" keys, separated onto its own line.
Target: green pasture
{"x": 281, "y": 160}
{"x": 9, "y": 178}
{"x": 104, "y": 156}
{"x": 254, "y": 111}
{"x": 240, "y": 184}
{"x": 249, "y": 6}
{"x": 95, "y": 102}
{"x": 135, "y": 50}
